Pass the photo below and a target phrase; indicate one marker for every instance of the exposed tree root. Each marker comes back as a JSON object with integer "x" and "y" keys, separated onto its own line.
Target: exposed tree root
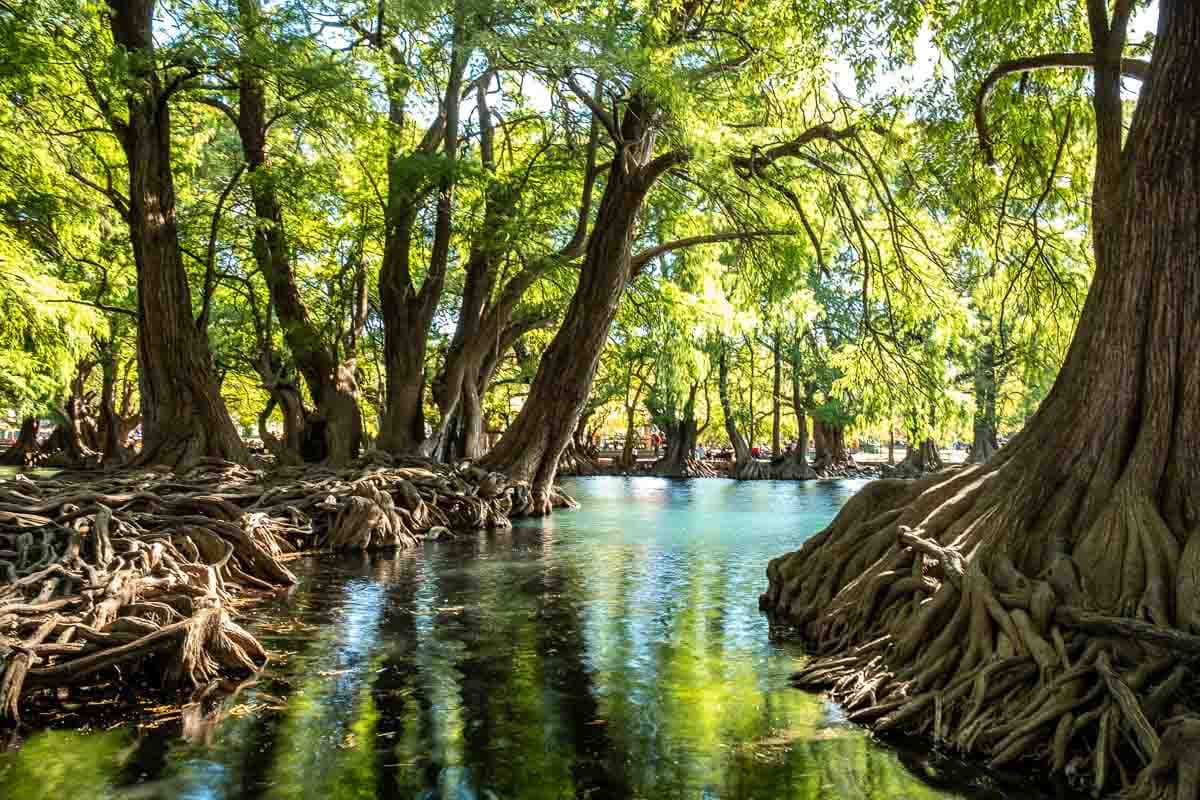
{"x": 684, "y": 468}
{"x": 923, "y": 622}
{"x": 579, "y": 462}
{"x": 100, "y": 570}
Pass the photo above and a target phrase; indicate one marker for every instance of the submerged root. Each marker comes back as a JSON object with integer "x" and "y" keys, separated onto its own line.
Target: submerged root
{"x": 101, "y": 571}
{"x": 922, "y": 621}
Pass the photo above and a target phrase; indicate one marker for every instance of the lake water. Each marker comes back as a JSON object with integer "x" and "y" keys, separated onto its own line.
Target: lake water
{"x": 611, "y": 652}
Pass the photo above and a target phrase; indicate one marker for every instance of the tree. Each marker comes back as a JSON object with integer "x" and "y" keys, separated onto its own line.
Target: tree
{"x": 1049, "y": 582}
{"x": 533, "y": 443}
{"x": 183, "y": 416}
{"x": 334, "y": 431}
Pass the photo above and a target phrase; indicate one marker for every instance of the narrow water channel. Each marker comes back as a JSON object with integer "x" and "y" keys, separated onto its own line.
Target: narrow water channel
{"x": 613, "y": 652}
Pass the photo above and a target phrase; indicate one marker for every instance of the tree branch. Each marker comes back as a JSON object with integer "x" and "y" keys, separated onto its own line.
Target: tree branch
{"x": 1131, "y": 67}
{"x": 102, "y": 306}
{"x": 598, "y": 111}
{"x": 751, "y": 165}
{"x": 639, "y": 261}
{"x": 218, "y": 104}
{"x": 210, "y": 265}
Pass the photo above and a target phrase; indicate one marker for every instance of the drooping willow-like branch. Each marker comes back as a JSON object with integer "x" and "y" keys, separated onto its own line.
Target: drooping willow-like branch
{"x": 639, "y": 261}
{"x": 1132, "y": 67}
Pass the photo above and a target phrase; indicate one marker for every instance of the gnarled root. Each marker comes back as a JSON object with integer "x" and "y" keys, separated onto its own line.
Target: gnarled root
{"x": 929, "y": 614}
{"x": 100, "y": 571}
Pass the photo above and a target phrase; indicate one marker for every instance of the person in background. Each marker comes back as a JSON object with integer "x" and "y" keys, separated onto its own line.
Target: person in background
{"x": 700, "y": 454}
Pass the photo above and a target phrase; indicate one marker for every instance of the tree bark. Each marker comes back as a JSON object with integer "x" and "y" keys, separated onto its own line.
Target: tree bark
{"x": 683, "y": 433}
{"x": 530, "y": 448}
{"x": 924, "y": 587}
{"x": 334, "y": 432}
{"x": 776, "y": 402}
{"x": 485, "y": 328}
{"x": 745, "y": 465}
{"x": 407, "y": 311}
{"x": 984, "y": 445}
{"x": 794, "y": 466}
{"x": 113, "y": 435}
{"x": 183, "y": 416}
{"x": 829, "y": 442}
{"x": 23, "y": 452}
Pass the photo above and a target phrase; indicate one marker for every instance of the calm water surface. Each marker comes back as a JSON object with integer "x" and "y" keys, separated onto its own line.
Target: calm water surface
{"x": 612, "y": 652}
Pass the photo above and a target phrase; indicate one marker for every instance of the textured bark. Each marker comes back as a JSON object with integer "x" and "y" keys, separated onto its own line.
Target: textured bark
{"x": 531, "y": 446}
{"x": 114, "y": 451}
{"x": 486, "y": 327}
{"x": 745, "y": 465}
{"x": 22, "y": 452}
{"x": 830, "y": 455}
{"x": 183, "y": 416}
{"x": 407, "y": 311}
{"x": 337, "y": 421}
{"x": 917, "y": 461}
{"x": 679, "y": 458}
{"x": 1037, "y": 606}
{"x": 799, "y": 467}
{"x": 984, "y": 445}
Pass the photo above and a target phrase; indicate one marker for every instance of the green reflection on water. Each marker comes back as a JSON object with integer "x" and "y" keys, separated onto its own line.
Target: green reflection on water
{"x": 610, "y": 653}
{"x": 65, "y": 764}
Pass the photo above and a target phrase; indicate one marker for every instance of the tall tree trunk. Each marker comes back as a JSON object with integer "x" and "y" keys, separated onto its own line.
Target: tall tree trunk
{"x": 183, "y": 416}
{"x": 794, "y": 465}
{"x": 530, "y": 448}
{"x": 829, "y": 441}
{"x": 745, "y": 465}
{"x": 486, "y": 329}
{"x": 113, "y": 449}
{"x": 1074, "y": 551}
{"x": 73, "y": 438}
{"x": 683, "y": 432}
{"x": 407, "y": 311}
{"x": 984, "y": 445}
{"x": 776, "y": 403}
{"x": 334, "y": 432}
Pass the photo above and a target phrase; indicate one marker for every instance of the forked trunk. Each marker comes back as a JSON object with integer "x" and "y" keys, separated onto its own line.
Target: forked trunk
{"x": 183, "y": 416}
{"x": 407, "y": 311}
{"x": 1037, "y": 605}
{"x": 919, "y": 460}
{"x": 288, "y": 448}
{"x": 745, "y": 466}
{"x": 679, "y": 458}
{"x": 113, "y": 448}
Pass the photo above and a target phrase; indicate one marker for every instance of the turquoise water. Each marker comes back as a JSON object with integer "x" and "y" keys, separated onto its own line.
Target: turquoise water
{"x": 612, "y": 652}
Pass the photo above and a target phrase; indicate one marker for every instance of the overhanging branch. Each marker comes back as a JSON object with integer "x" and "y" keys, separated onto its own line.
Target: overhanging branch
{"x": 1131, "y": 67}
{"x": 639, "y": 261}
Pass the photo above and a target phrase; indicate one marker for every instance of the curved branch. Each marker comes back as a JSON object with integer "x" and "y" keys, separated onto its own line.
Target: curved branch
{"x": 598, "y": 111}
{"x": 210, "y": 264}
{"x": 639, "y": 261}
{"x": 751, "y": 165}
{"x": 1130, "y": 67}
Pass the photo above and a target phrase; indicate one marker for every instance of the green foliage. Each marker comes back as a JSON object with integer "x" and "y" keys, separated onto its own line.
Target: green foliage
{"x": 883, "y": 257}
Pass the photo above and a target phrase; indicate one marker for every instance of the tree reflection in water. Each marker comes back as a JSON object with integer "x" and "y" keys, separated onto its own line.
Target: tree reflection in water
{"x": 608, "y": 653}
